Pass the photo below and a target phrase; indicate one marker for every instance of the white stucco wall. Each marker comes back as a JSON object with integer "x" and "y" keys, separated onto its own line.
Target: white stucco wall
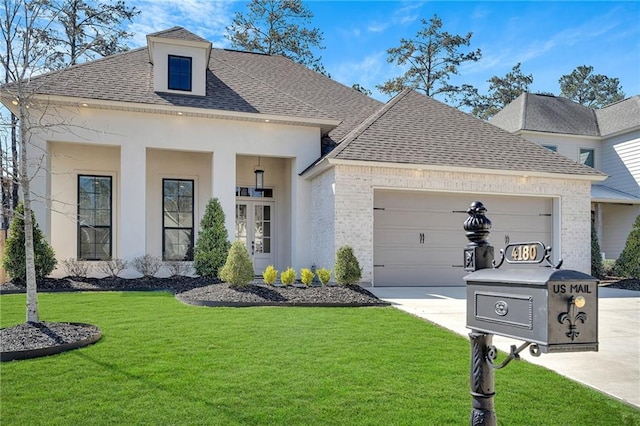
{"x": 353, "y": 206}
{"x": 138, "y": 147}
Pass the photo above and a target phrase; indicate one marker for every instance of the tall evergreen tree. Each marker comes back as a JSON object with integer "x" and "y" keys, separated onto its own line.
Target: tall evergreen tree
{"x": 278, "y": 27}
{"x": 431, "y": 58}
{"x": 591, "y": 90}
{"x": 213, "y": 245}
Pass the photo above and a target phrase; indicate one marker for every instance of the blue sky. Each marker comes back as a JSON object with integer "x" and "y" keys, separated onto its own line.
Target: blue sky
{"x": 550, "y": 39}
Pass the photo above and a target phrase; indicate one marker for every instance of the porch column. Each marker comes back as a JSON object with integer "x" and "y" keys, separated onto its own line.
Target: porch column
{"x": 224, "y": 187}
{"x": 300, "y": 219}
{"x": 132, "y": 234}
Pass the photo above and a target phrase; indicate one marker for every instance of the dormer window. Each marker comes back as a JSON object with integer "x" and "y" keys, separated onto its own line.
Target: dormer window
{"x": 179, "y": 73}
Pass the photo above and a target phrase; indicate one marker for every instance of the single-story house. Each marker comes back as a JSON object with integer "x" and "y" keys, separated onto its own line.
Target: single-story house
{"x": 138, "y": 142}
{"x": 607, "y": 139}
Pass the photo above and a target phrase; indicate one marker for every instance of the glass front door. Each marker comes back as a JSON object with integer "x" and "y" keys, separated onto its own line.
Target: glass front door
{"x": 254, "y": 227}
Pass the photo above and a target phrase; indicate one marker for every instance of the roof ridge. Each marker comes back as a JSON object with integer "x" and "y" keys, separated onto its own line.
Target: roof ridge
{"x": 368, "y": 122}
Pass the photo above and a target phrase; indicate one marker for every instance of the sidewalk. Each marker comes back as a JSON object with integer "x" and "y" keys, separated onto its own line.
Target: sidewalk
{"x": 614, "y": 369}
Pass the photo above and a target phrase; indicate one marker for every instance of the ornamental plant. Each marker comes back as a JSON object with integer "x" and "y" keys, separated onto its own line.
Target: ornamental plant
{"x": 269, "y": 275}
{"x": 628, "y": 263}
{"x": 347, "y": 268}
{"x": 212, "y": 247}
{"x": 14, "y": 260}
{"x": 238, "y": 269}
{"x": 288, "y": 277}
{"x": 324, "y": 275}
{"x": 597, "y": 270}
{"x": 306, "y": 276}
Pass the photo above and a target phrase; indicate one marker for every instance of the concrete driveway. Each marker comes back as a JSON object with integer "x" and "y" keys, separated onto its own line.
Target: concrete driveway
{"x": 614, "y": 369}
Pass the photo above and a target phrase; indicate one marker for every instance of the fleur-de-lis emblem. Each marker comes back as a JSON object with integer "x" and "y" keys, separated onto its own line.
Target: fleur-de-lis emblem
{"x": 572, "y": 317}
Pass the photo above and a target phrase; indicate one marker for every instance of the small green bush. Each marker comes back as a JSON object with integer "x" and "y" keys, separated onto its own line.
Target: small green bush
{"x": 212, "y": 247}
{"x": 14, "y": 259}
{"x": 347, "y": 268}
{"x": 608, "y": 266}
{"x": 288, "y": 277}
{"x": 596, "y": 257}
{"x": 269, "y": 275}
{"x": 324, "y": 275}
{"x": 306, "y": 276}
{"x": 238, "y": 269}
{"x": 628, "y": 263}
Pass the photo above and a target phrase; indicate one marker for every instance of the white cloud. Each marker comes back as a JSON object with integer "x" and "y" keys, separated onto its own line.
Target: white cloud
{"x": 206, "y": 18}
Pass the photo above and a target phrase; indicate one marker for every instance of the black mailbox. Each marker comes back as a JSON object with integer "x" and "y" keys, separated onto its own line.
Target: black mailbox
{"x": 555, "y": 309}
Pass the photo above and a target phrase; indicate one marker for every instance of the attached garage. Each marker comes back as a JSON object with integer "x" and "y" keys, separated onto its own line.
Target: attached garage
{"x": 419, "y": 239}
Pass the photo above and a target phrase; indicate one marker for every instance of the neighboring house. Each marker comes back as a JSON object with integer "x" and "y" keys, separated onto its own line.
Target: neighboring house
{"x": 606, "y": 139}
{"x": 150, "y": 135}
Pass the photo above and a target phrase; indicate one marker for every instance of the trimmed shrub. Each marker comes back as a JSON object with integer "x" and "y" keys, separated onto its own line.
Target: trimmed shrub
{"x": 238, "y": 269}
{"x": 596, "y": 257}
{"x": 112, "y": 267}
{"x": 147, "y": 265}
{"x": 76, "y": 268}
{"x": 288, "y": 277}
{"x": 628, "y": 263}
{"x": 608, "y": 266}
{"x": 212, "y": 247}
{"x": 307, "y": 276}
{"x": 14, "y": 260}
{"x": 270, "y": 275}
{"x": 347, "y": 268}
{"x": 324, "y": 275}
{"x": 178, "y": 268}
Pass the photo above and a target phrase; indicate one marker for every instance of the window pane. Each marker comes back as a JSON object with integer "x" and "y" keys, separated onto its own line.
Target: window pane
{"x": 267, "y": 212}
{"x": 266, "y": 228}
{"x": 170, "y": 187}
{"x": 94, "y": 210}
{"x": 170, "y": 219}
{"x": 177, "y": 244}
{"x": 267, "y": 245}
{"x": 185, "y": 220}
{"x": 587, "y": 157}
{"x": 185, "y": 204}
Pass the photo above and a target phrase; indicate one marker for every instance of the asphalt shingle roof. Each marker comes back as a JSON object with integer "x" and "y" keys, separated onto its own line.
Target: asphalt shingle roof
{"x": 545, "y": 113}
{"x": 415, "y": 129}
{"x": 620, "y": 116}
{"x": 553, "y": 114}
{"x": 235, "y": 81}
{"x": 411, "y": 128}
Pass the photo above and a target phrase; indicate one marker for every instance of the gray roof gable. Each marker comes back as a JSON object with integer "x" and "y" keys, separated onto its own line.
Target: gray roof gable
{"x": 416, "y": 129}
{"x": 620, "y": 116}
{"x": 554, "y": 114}
{"x": 547, "y": 113}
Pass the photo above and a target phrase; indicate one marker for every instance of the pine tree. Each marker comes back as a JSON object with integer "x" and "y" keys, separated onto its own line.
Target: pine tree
{"x": 14, "y": 255}
{"x": 212, "y": 247}
{"x": 347, "y": 268}
{"x": 628, "y": 263}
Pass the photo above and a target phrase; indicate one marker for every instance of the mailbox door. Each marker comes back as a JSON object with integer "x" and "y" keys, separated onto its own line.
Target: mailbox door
{"x": 573, "y": 316}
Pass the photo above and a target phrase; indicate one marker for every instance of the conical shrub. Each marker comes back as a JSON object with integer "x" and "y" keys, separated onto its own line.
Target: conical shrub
{"x": 347, "y": 269}
{"x": 238, "y": 269}
{"x": 628, "y": 263}
{"x": 14, "y": 260}
{"x": 212, "y": 247}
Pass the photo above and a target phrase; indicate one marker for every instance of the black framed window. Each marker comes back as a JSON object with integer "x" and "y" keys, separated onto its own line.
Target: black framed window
{"x": 177, "y": 219}
{"x": 179, "y": 73}
{"x": 94, "y": 217}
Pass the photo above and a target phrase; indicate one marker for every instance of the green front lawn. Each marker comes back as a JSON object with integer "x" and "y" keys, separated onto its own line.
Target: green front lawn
{"x": 163, "y": 362}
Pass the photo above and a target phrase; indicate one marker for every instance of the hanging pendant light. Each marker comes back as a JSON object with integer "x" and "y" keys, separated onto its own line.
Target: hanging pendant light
{"x": 259, "y": 177}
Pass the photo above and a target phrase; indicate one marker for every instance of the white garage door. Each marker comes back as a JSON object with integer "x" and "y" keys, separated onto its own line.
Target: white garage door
{"x": 419, "y": 238}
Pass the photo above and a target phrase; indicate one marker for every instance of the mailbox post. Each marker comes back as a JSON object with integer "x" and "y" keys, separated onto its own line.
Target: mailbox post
{"x": 551, "y": 310}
